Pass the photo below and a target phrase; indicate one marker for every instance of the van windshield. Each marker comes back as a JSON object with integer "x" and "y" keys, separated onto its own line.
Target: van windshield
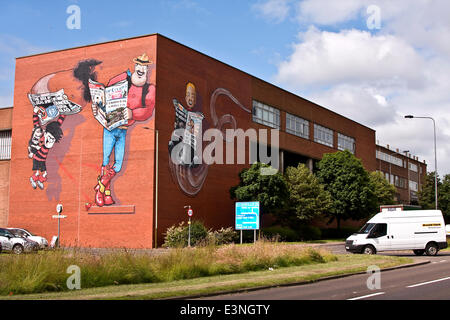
{"x": 366, "y": 228}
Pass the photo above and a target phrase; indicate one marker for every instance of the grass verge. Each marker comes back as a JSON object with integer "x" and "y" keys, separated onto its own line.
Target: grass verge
{"x": 343, "y": 264}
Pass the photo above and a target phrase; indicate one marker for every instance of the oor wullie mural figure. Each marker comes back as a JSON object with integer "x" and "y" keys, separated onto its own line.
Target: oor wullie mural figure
{"x": 127, "y": 98}
{"x": 186, "y": 165}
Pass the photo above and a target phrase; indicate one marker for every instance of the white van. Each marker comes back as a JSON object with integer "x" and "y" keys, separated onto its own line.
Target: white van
{"x": 422, "y": 231}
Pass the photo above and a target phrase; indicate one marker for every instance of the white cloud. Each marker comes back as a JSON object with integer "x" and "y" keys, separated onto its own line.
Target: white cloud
{"x": 377, "y": 76}
{"x": 351, "y": 56}
{"x": 273, "y": 10}
{"x": 326, "y": 12}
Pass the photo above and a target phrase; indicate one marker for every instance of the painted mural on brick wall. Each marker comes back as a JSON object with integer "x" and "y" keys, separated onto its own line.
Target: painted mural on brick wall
{"x": 50, "y": 110}
{"x": 126, "y": 99}
{"x": 186, "y": 143}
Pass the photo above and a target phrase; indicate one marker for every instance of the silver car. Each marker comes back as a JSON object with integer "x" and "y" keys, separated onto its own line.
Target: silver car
{"x": 24, "y": 233}
{"x": 15, "y": 244}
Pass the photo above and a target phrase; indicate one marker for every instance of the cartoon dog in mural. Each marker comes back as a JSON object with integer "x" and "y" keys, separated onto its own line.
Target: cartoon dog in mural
{"x": 140, "y": 103}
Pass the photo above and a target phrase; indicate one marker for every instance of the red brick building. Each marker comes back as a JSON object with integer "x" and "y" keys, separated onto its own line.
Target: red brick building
{"x": 404, "y": 171}
{"x": 119, "y": 187}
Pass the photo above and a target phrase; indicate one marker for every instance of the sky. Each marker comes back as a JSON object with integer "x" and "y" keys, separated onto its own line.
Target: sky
{"x": 373, "y": 61}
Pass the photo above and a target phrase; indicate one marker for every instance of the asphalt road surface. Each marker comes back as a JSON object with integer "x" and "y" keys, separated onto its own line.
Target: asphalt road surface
{"x": 425, "y": 282}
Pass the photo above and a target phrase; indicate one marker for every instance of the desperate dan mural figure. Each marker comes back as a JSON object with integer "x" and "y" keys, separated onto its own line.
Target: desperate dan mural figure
{"x": 127, "y": 98}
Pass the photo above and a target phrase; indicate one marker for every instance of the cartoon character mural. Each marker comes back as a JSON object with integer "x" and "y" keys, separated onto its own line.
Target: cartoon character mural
{"x": 185, "y": 164}
{"x": 125, "y": 100}
{"x": 49, "y": 112}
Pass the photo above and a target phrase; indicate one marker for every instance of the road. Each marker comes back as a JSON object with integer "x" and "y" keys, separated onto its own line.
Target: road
{"x": 426, "y": 282}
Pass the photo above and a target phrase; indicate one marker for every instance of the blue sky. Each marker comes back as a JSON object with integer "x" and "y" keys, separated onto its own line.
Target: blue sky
{"x": 323, "y": 50}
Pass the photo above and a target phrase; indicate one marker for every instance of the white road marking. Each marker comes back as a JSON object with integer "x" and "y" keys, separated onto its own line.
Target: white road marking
{"x": 428, "y": 282}
{"x": 367, "y": 296}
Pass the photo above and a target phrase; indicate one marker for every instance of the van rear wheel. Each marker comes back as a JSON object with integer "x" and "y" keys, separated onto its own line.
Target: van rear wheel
{"x": 431, "y": 249}
{"x": 369, "y": 250}
{"x": 419, "y": 252}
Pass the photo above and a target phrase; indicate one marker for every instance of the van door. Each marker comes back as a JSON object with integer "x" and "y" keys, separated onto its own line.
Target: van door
{"x": 379, "y": 236}
{"x": 402, "y": 236}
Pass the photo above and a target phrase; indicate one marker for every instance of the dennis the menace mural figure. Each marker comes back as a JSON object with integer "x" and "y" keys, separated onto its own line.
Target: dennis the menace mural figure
{"x": 127, "y": 98}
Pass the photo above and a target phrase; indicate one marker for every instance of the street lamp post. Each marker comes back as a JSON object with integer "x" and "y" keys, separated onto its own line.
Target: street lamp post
{"x": 435, "y": 156}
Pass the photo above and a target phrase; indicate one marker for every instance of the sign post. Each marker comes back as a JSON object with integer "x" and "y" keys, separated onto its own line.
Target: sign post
{"x": 59, "y": 209}
{"x": 190, "y": 213}
{"x": 247, "y": 217}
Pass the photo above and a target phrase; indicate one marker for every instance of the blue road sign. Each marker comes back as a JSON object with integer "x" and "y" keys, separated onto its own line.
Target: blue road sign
{"x": 247, "y": 215}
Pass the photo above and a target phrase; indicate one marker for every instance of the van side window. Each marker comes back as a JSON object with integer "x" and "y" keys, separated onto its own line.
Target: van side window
{"x": 380, "y": 230}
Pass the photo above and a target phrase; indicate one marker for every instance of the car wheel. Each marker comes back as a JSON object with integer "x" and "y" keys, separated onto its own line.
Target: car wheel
{"x": 431, "y": 249}
{"x": 18, "y": 249}
{"x": 369, "y": 250}
{"x": 419, "y": 252}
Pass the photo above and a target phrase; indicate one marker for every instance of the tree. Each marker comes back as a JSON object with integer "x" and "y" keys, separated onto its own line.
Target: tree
{"x": 427, "y": 194}
{"x": 270, "y": 190}
{"x": 349, "y": 185}
{"x": 444, "y": 196}
{"x": 307, "y": 197}
{"x": 384, "y": 191}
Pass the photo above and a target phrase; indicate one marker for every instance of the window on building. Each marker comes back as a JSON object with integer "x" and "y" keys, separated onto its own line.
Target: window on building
{"x": 413, "y": 167}
{"x": 413, "y": 186}
{"x": 5, "y": 145}
{"x": 346, "y": 143}
{"x": 323, "y": 135}
{"x": 297, "y": 126}
{"x": 266, "y": 115}
{"x": 389, "y": 158}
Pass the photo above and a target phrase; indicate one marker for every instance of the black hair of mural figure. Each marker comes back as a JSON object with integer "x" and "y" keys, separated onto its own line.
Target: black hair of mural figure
{"x": 84, "y": 71}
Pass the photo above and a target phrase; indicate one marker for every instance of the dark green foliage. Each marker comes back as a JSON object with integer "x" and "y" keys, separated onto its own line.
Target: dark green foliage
{"x": 270, "y": 190}
{"x": 334, "y": 233}
{"x": 384, "y": 191}
{"x": 177, "y": 236}
{"x": 307, "y": 197}
{"x": 349, "y": 184}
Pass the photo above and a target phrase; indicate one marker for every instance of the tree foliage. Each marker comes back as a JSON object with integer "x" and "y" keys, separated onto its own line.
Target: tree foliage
{"x": 307, "y": 196}
{"x": 270, "y": 190}
{"x": 349, "y": 185}
{"x": 384, "y": 191}
{"x": 427, "y": 193}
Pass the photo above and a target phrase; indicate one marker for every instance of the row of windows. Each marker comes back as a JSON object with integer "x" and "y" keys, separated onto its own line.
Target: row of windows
{"x": 5, "y": 145}
{"x": 401, "y": 182}
{"x": 389, "y": 158}
{"x": 270, "y": 116}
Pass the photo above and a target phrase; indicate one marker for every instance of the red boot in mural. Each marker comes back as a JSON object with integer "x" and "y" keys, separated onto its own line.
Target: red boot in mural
{"x": 107, "y": 183}
{"x": 102, "y": 189}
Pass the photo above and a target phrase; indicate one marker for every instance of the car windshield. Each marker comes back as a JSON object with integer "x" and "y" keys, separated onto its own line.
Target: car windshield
{"x": 28, "y": 232}
{"x": 17, "y": 233}
{"x": 366, "y": 228}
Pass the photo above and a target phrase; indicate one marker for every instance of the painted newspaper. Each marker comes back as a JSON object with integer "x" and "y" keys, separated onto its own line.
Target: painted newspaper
{"x": 52, "y": 104}
{"x": 111, "y": 102}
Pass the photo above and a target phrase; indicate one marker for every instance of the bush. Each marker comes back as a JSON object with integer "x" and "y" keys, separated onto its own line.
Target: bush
{"x": 333, "y": 233}
{"x": 307, "y": 232}
{"x": 177, "y": 236}
{"x": 224, "y": 236}
{"x": 280, "y": 233}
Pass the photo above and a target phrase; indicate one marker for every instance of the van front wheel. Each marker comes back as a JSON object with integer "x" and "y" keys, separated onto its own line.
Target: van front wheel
{"x": 369, "y": 250}
{"x": 431, "y": 249}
